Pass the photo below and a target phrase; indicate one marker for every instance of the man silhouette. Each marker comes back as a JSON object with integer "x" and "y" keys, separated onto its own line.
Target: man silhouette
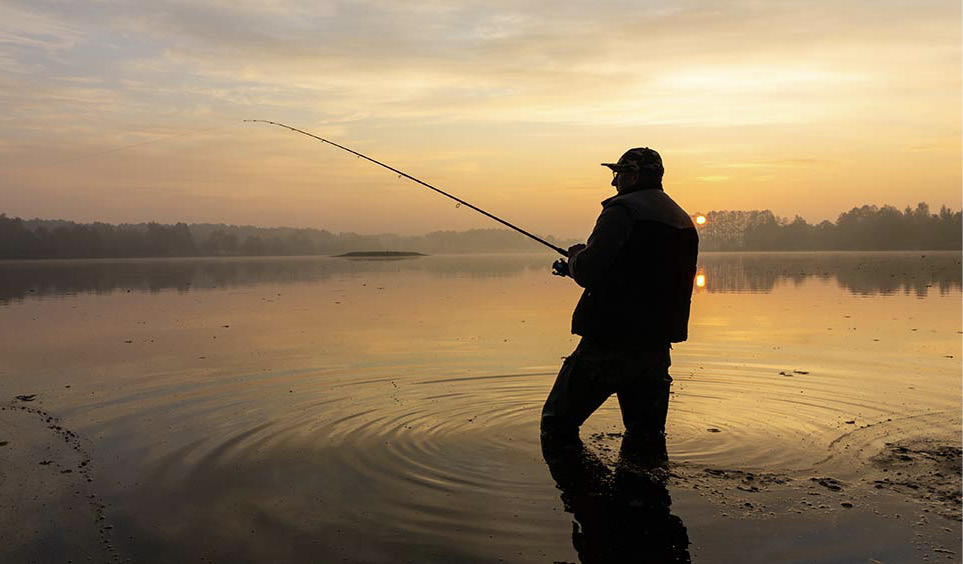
{"x": 637, "y": 269}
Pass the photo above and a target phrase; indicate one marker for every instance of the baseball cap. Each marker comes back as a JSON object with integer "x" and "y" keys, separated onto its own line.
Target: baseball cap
{"x": 639, "y": 158}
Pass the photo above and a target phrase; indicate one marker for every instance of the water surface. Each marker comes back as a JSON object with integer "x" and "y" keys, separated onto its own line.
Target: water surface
{"x": 326, "y": 409}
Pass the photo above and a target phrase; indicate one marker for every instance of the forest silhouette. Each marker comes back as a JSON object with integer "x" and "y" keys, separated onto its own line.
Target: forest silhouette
{"x": 866, "y": 228}
{"x": 38, "y": 238}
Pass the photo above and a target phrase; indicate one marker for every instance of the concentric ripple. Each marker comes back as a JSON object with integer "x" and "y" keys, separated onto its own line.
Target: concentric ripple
{"x": 363, "y": 415}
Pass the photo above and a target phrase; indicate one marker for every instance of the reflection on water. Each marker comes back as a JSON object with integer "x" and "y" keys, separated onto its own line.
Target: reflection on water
{"x": 324, "y": 410}
{"x": 21, "y": 279}
{"x": 860, "y": 273}
{"x": 621, "y": 515}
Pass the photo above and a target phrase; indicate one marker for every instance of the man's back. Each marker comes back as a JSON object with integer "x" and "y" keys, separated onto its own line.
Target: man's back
{"x": 637, "y": 271}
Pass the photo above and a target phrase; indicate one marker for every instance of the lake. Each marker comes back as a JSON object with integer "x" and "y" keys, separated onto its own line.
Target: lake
{"x": 321, "y": 409}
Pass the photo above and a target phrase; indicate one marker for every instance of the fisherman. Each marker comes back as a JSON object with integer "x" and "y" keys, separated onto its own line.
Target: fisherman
{"x": 637, "y": 269}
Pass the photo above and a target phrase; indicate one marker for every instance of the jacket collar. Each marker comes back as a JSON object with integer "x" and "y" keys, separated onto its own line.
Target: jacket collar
{"x": 608, "y": 200}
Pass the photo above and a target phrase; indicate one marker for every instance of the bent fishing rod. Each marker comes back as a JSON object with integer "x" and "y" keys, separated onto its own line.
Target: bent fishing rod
{"x": 558, "y": 250}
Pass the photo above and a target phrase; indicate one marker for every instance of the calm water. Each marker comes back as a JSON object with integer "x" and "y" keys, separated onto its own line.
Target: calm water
{"x": 324, "y": 409}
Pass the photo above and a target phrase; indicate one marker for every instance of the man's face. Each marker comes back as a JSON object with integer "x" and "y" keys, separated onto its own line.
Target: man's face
{"x": 624, "y": 179}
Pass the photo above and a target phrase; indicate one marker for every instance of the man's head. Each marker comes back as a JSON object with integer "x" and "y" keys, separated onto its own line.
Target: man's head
{"x": 638, "y": 169}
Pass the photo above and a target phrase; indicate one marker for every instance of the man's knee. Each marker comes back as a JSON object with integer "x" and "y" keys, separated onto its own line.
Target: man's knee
{"x": 557, "y": 428}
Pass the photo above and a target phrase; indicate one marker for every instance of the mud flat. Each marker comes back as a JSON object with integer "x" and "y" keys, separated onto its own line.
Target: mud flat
{"x": 924, "y": 470}
{"x": 48, "y": 509}
{"x": 901, "y": 504}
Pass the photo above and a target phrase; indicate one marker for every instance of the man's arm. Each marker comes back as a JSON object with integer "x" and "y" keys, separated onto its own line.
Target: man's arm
{"x": 592, "y": 263}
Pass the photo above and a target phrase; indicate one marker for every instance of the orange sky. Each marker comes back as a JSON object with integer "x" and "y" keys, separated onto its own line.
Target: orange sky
{"x": 801, "y": 107}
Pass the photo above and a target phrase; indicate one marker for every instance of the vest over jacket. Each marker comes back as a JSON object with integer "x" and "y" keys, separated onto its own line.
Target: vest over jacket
{"x": 638, "y": 269}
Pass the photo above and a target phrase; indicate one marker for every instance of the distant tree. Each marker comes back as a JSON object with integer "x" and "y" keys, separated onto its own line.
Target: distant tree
{"x": 861, "y": 228}
{"x": 15, "y": 240}
{"x": 220, "y": 243}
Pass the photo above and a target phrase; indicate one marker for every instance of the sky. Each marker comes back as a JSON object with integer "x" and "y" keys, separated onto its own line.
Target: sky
{"x": 131, "y": 111}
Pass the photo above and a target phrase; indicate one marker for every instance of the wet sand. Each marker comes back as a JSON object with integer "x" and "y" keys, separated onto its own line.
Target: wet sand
{"x": 384, "y": 412}
{"x": 45, "y": 491}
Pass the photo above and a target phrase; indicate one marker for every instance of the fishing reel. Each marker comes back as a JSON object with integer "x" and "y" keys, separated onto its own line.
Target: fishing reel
{"x": 560, "y": 268}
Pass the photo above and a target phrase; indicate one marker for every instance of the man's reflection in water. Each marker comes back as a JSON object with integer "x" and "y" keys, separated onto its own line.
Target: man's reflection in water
{"x": 621, "y": 515}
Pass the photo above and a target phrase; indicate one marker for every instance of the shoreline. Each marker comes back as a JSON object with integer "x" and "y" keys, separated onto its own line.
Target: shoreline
{"x": 724, "y": 509}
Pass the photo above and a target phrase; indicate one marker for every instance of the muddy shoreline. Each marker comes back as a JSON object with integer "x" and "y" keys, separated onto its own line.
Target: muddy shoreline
{"x": 46, "y": 471}
{"x": 49, "y": 509}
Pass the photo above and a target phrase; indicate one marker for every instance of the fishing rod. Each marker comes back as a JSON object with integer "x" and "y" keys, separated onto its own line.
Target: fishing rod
{"x": 558, "y": 250}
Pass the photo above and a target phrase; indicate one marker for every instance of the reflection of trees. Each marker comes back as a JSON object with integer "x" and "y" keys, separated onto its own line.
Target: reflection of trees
{"x": 20, "y": 279}
{"x": 860, "y": 273}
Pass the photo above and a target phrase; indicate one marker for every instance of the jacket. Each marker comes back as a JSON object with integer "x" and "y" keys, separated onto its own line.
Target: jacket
{"x": 638, "y": 269}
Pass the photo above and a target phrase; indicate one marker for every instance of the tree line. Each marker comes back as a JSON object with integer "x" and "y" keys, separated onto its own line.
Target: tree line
{"x": 865, "y": 228}
{"x": 862, "y": 228}
{"x": 39, "y": 238}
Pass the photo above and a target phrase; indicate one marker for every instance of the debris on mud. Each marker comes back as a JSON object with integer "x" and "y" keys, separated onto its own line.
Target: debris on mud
{"x": 829, "y": 483}
{"x": 925, "y": 470}
{"x": 68, "y": 458}
{"x": 748, "y": 481}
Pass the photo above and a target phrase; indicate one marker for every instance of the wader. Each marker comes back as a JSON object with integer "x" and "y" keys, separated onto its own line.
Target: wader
{"x": 639, "y": 375}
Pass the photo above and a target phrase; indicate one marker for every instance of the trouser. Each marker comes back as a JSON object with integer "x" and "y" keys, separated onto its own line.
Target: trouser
{"x": 593, "y": 372}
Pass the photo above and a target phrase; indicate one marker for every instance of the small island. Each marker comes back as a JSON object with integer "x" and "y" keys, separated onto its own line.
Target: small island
{"x": 381, "y": 254}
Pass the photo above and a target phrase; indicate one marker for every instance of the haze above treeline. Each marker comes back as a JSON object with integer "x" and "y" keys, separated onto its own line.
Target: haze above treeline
{"x": 868, "y": 228}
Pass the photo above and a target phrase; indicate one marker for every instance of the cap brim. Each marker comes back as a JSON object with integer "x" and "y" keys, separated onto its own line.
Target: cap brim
{"x": 618, "y": 166}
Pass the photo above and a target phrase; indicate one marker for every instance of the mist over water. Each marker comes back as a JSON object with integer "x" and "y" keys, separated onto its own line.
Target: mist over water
{"x": 859, "y": 272}
{"x": 325, "y": 409}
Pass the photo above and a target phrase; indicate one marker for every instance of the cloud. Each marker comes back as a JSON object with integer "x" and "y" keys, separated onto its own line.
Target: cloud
{"x": 615, "y": 63}
{"x": 774, "y": 163}
{"x": 27, "y": 27}
{"x": 946, "y": 146}
{"x": 781, "y": 89}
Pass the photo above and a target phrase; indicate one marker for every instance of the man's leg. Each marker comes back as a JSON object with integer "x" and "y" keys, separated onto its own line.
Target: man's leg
{"x": 580, "y": 388}
{"x": 644, "y": 396}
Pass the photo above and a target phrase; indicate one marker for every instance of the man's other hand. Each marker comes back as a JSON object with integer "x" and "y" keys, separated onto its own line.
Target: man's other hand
{"x": 574, "y": 249}
{"x": 560, "y": 268}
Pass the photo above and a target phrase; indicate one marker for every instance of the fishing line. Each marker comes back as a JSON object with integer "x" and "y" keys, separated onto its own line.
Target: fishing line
{"x": 402, "y": 174}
